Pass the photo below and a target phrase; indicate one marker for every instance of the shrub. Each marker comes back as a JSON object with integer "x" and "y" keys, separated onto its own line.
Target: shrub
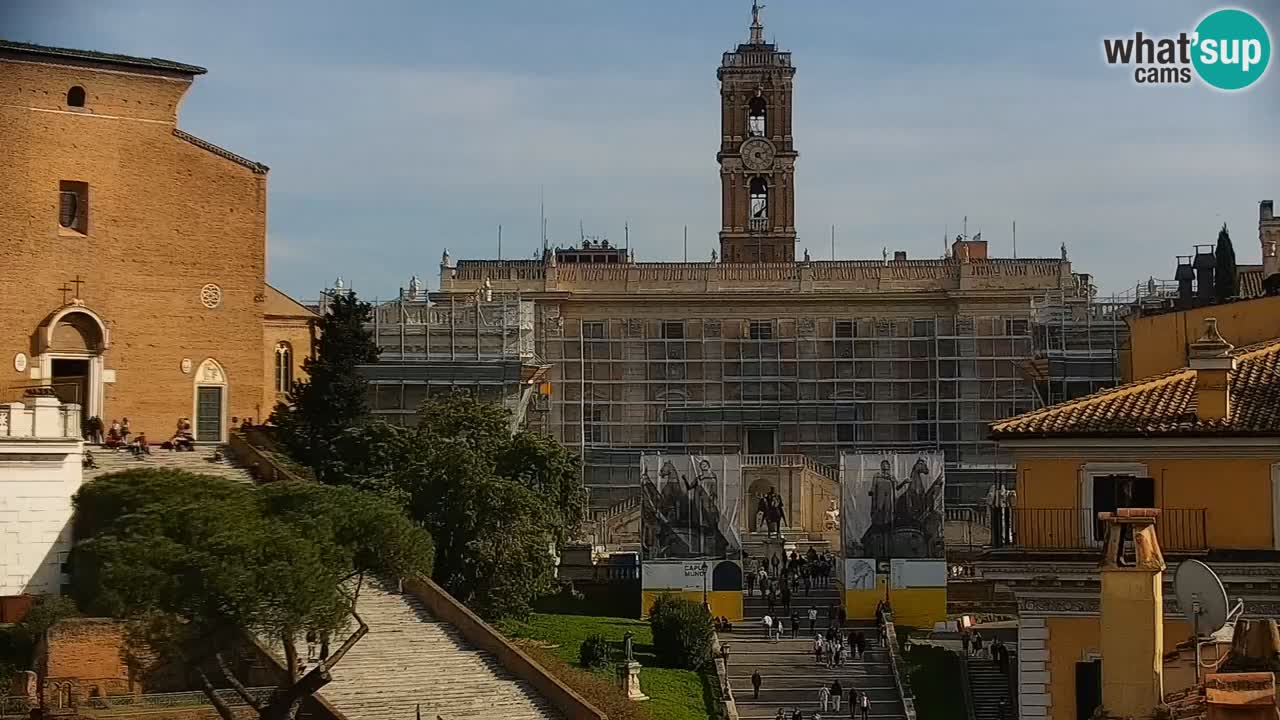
{"x": 681, "y": 632}
{"x": 594, "y": 652}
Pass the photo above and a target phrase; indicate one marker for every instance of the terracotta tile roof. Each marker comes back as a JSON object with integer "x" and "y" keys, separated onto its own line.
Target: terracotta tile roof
{"x": 1164, "y": 405}
{"x": 22, "y": 48}
{"x": 1249, "y": 283}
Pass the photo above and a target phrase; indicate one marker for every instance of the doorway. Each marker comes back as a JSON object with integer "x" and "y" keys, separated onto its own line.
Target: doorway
{"x": 762, "y": 441}
{"x": 70, "y": 382}
{"x": 1088, "y": 688}
{"x": 208, "y": 413}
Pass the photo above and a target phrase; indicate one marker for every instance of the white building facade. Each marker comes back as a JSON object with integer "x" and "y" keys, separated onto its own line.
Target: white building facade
{"x": 41, "y": 455}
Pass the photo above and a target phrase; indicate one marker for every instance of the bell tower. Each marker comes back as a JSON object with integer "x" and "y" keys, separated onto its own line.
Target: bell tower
{"x": 757, "y": 158}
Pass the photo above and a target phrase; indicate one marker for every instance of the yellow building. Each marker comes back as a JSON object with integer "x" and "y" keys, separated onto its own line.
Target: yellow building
{"x": 1160, "y": 341}
{"x": 1200, "y": 443}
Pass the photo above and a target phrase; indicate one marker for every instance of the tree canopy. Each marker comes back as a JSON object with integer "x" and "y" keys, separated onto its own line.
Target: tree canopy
{"x": 497, "y": 503}
{"x": 334, "y": 396}
{"x": 1225, "y": 285}
{"x": 202, "y": 560}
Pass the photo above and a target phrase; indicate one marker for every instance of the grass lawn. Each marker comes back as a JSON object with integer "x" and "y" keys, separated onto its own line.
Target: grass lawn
{"x": 673, "y": 694}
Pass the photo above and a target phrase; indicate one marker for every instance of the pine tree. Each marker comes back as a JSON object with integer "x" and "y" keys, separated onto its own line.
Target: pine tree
{"x": 333, "y": 398}
{"x": 1224, "y": 270}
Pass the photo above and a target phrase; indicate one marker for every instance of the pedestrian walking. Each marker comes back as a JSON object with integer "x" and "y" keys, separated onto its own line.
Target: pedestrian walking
{"x": 884, "y": 636}
{"x": 964, "y": 641}
{"x": 817, "y": 650}
{"x": 751, "y": 584}
{"x": 824, "y": 697}
{"x": 813, "y": 618}
{"x": 842, "y": 615}
{"x": 864, "y": 700}
{"x": 853, "y": 703}
{"x": 839, "y": 654}
{"x": 837, "y": 692}
{"x": 786, "y": 595}
{"x": 977, "y": 643}
{"x": 755, "y": 684}
{"x": 795, "y": 624}
{"x": 777, "y": 629}
{"x": 768, "y": 596}
{"x": 797, "y": 715}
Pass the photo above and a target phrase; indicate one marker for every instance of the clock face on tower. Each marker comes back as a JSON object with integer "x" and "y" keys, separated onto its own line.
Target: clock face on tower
{"x": 757, "y": 153}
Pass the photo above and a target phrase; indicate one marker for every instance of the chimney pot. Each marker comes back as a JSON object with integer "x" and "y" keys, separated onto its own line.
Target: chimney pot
{"x": 1211, "y": 359}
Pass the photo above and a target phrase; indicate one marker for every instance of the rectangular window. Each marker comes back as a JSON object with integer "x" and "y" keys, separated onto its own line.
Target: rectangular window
{"x": 673, "y": 329}
{"x": 845, "y": 433}
{"x": 761, "y": 329}
{"x": 1015, "y": 327}
{"x": 924, "y": 429}
{"x": 846, "y": 329}
{"x": 1111, "y": 492}
{"x": 922, "y": 328}
{"x": 594, "y": 329}
{"x": 597, "y": 417}
{"x": 673, "y": 434}
{"x": 73, "y": 206}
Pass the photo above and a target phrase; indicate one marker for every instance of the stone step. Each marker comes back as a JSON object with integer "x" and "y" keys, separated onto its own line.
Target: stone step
{"x": 409, "y": 658}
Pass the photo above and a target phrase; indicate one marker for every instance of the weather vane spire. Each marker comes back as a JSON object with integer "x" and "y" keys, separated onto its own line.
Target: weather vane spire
{"x": 757, "y": 28}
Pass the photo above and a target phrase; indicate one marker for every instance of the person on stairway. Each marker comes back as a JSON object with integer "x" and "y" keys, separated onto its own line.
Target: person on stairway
{"x": 755, "y": 684}
{"x": 813, "y": 618}
{"x": 837, "y": 692}
{"x": 751, "y": 584}
{"x": 824, "y": 697}
{"x": 864, "y": 702}
{"x": 795, "y": 624}
{"x": 853, "y": 703}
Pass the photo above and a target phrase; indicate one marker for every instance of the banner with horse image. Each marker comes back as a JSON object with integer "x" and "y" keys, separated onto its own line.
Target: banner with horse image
{"x": 689, "y": 506}
{"x": 892, "y": 505}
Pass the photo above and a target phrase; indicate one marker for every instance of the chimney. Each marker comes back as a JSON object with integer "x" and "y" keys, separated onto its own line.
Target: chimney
{"x": 1186, "y": 277}
{"x": 1204, "y": 263}
{"x": 899, "y": 255}
{"x": 1132, "y": 614}
{"x": 1211, "y": 358}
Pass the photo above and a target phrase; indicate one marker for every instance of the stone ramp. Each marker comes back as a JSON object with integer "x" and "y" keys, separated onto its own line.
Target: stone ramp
{"x": 792, "y": 676}
{"x": 409, "y": 658}
{"x": 199, "y": 461}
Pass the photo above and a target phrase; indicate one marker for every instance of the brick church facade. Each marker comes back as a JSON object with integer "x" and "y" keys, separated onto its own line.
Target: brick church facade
{"x": 134, "y": 253}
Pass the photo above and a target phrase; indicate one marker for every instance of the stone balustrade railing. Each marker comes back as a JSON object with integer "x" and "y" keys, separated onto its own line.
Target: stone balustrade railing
{"x": 40, "y": 417}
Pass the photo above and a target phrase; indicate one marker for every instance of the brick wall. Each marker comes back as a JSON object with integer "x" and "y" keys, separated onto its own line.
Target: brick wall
{"x": 165, "y": 218}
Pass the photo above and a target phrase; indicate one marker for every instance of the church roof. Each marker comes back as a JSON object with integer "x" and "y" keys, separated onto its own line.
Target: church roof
{"x": 279, "y": 304}
{"x": 8, "y": 46}
{"x": 1164, "y": 405}
{"x": 255, "y": 166}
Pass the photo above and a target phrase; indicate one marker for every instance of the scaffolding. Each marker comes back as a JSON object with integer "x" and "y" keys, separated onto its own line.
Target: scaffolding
{"x": 482, "y": 343}
{"x": 1079, "y": 340}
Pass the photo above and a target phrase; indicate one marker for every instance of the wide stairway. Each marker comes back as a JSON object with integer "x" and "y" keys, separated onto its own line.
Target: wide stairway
{"x": 410, "y": 658}
{"x": 792, "y": 676}
{"x": 200, "y": 461}
{"x": 989, "y": 688}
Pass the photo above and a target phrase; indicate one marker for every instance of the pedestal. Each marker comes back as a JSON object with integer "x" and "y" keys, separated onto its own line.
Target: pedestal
{"x": 629, "y": 680}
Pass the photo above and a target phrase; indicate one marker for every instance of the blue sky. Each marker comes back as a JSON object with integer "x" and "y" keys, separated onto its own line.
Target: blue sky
{"x": 395, "y": 129}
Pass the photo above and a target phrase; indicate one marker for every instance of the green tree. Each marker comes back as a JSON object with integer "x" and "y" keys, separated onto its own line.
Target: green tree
{"x": 682, "y": 632}
{"x": 200, "y": 561}
{"x": 497, "y": 502}
{"x": 1224, "y": 270}
{"x": 334, "y": 397}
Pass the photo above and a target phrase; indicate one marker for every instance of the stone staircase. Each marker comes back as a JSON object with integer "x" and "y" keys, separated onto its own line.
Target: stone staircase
{"x": 199, "y": 461}
{"x": 988, "y": 687}
{"x": 410, "y": 658}
{"x": 791, "y": 675}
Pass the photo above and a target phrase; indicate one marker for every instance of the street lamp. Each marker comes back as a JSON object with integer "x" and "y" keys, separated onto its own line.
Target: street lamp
{"x": 705, "y": 602}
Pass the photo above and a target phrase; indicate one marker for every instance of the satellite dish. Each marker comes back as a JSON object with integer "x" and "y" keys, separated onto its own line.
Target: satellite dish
{"x": 1200, "y": 596}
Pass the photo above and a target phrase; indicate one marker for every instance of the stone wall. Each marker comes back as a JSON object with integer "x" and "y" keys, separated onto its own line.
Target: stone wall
{"x": 168, "y": 215}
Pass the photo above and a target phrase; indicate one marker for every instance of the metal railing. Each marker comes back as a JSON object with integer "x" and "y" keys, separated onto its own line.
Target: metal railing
{"x": 758, "y": 224}
{"x": 1179, "y": 529}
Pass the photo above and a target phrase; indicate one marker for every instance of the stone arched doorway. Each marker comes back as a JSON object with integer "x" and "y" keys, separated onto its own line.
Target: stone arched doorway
{"x": 757, "y": 490}
{"x": 209, "y": 404}
{"x": 70, "y": 344}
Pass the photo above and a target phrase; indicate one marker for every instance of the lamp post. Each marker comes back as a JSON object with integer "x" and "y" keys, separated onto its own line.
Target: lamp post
{"x": 705, "y": 601}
